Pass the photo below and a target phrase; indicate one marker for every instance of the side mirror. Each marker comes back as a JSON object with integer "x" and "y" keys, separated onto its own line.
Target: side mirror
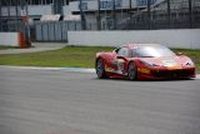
{"x": 121, "y": 57}
{"x": 116, "y": 50}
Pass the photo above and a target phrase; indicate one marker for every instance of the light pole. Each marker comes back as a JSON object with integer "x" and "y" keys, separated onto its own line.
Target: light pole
{"x": 114, "y": 16}
{"x": 17, "y": 15}
{"x": 169, "y": 12}
{"x": 190, "y": 13}
{"x": 83, "y": 23}
{"x": 149, "y": 13}
{"x": 25, "y": 20}
{"x": 130, "y": 10}
{"x": 99, "y": 15}
{"x": 0, "y": 16}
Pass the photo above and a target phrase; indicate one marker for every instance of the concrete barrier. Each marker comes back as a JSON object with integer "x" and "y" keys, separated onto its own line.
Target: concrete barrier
{"x": 15, "y": 39}
{"x": 9, "y": 39}
{"x": 175, "y": 38}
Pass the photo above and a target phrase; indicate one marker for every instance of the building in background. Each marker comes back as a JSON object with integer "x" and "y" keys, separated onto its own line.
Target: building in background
{"x": 104, "y": 14}
{"x": 138, "y": 14}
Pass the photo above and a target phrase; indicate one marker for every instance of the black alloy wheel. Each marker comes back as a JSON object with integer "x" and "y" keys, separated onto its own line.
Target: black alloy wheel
{"x": 132, "y": 71}
{"x": 100, "y": 69}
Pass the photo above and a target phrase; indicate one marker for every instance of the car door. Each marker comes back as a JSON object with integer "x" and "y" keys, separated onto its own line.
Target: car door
{"x": 120, "y": 60}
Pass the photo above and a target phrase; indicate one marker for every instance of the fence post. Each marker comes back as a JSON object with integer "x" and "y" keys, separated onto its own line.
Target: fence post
{"x": 130, "y": 11}
{"x": 114, "y": 16}
{"x": 190, "y": 13}
{"x": 99, "y": 16}
{"x": 17, "y": 16}
{"x": 169, "y": 13}
{"x": 61, "y": 30}
{"x": 149, "y": 13}
{"x": 48, "y": 31}
{"x": 8, "y": 9}
{"x": 42, "y": 34}
{"x": 0, "y": 16}
{"x": 54, "y": 30}
{"x": 75, "y": 27}
{"x": 83, "y": 21}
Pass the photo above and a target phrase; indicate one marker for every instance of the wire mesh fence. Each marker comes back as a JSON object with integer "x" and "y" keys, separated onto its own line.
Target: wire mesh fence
{"x": 165, "y": 14}
{"x": 55, "y": 31}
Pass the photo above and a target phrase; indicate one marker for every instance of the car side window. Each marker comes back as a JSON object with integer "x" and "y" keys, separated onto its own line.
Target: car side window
{"x": 123, "y": 52}
{"x": 134, "y": 53}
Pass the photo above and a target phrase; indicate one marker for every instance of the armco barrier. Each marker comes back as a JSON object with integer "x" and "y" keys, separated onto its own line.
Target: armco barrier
{"x": 175, "y": 38}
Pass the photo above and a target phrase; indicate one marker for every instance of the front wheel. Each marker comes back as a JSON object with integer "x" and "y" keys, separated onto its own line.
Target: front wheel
{"x": 100, "y": 69}
{"x": 132, "y": 71}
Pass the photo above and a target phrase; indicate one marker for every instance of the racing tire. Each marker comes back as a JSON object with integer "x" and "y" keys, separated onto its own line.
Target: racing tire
{"x": 132, "y": 71}
{"x": 100, "y": 69}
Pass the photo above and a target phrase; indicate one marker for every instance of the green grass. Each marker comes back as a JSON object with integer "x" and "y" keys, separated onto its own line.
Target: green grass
{"x": 193, "y": 54}
{"x": 69, "y": 56}
{"x": 6, "y": 47}
{"x": 72, "y": 56}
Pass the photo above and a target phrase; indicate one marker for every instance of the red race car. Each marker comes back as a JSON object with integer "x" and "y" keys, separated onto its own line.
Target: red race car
{"x": 143, "y": 61}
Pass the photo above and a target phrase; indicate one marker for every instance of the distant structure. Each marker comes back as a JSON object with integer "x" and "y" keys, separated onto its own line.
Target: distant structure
{"x": 103, "y": 14}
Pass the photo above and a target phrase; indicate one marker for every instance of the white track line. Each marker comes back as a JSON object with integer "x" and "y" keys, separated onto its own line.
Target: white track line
{"x": 198, "y": 76}
{"x": 67, "y": 69}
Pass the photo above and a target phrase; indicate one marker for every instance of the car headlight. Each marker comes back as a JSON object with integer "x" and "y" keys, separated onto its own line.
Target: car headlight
{"x": 189, "y": 63}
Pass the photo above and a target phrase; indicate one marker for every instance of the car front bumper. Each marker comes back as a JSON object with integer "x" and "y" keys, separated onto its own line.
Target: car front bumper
{"x": 167, "y": 74}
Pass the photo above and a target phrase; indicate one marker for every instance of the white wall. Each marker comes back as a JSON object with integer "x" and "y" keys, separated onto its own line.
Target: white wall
{"x": 9, "y": 38}
{"x": 180, "y": 38}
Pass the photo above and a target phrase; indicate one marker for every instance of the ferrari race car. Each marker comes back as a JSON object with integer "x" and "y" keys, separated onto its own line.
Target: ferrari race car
{"x": 143, "y": 62}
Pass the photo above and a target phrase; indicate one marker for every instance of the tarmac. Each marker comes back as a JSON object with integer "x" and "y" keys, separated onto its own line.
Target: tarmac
{"x": 61, "y": 102}
{"x": 36, "y": 47}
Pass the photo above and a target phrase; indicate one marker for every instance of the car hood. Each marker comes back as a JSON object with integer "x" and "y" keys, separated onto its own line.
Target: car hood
{"x": 169, "y": 62}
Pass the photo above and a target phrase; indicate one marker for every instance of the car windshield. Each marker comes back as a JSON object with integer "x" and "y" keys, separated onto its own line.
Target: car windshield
{"x": 152, "y": 51}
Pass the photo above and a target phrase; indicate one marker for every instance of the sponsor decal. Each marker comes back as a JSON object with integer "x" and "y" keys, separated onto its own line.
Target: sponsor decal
{"x": 108, "y": 69}
{"x": 120, "y": 65}
{"x": 144, "y": 70}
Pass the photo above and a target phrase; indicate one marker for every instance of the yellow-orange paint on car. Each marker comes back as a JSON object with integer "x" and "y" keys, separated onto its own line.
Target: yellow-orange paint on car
{"x": 144, "y": 70}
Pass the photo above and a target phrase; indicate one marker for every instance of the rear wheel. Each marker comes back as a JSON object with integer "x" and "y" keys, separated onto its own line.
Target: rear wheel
{"x": 132, "y": 71}
{"x": 100, "y": 69}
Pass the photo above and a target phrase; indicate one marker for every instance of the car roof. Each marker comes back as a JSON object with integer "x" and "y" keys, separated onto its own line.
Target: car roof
{"x": 135, "y": 45}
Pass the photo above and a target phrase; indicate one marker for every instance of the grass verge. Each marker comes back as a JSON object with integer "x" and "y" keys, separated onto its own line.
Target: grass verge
{"x": 69, "y": 56}
{"x": 193, "y": 54}
{"x": 6, "y": 47}
{"x": 72, "y": 56}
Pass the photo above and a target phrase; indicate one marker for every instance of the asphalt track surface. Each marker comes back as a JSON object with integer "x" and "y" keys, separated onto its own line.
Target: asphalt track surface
{"x": 61, "y": 102}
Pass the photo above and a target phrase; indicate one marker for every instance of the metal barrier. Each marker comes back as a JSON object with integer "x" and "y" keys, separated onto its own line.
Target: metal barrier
{"x": 169, "y": 14}
{"x": 55, "y": 31}
{"x": 166, "y": 14}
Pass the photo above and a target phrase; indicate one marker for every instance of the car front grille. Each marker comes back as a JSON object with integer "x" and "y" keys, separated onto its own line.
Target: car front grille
{"x": 173, "y": 73}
